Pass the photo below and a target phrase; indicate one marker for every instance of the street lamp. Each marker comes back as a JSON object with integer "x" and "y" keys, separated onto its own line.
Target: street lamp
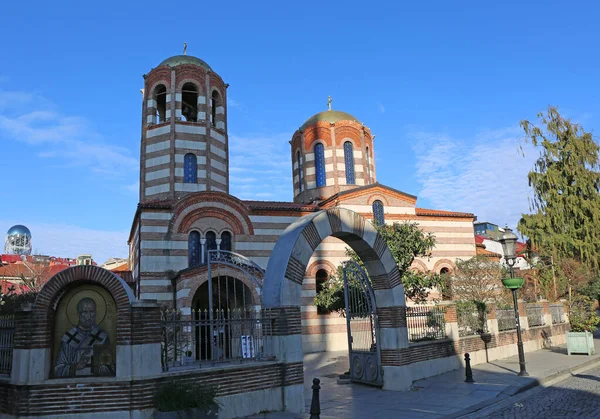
{"x": 509, "y": 247}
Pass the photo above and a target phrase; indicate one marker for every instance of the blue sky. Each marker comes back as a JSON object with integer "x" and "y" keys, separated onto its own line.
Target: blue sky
{"x": 443, "y": 85}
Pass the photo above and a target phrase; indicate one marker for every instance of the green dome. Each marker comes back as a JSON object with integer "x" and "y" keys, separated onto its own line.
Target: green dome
{"x": 329, "y": 116}
{"x": 185, "y": 59}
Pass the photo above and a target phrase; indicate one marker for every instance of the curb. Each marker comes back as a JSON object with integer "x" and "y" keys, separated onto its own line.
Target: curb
{"x": 512, "y": 391}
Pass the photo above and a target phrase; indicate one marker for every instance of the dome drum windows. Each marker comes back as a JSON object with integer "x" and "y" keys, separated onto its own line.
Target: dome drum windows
{"x": 321, "y": 178}
{"x": 349, "y": 163}
{"x": 300, "y": 172}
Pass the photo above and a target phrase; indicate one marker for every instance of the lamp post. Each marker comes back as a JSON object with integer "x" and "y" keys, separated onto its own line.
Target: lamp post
{"x": 509, "y": 245}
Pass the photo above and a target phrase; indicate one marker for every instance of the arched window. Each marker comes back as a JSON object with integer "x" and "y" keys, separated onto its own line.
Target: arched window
{"x": 214, "y": 102}
{"x": 300, "y": 171}
{"x": 211, "y": 242}
{"x": 368, "y": 166}
{"x": 226, "y": 241}
{"x": 446, "y": 283}
{"x": 378, "y": 213}
{"x": 190, "y": 168}
{"x": 189, "y": 102}
{"x": 194, "y": 249}
{"x": 160, "y": 97}
{"x": 320, "y": 164}
{"x": 349, "y": 161}
{"x": 320, "y": 280}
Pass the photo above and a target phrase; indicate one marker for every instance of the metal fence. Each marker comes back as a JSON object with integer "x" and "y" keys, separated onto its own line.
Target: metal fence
{"x": 558, "y": 313}
{"x": 535, "y": 315}
{"x": 470, "y": 322}
{"x": 425, "y": 323}
{"x": 7, "y": 332}
{"x": 223, "y": 336}
{"x": 506, "y": 319}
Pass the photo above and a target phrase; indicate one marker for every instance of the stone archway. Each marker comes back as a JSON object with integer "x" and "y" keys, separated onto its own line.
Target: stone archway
{"x": 282, "y": 291}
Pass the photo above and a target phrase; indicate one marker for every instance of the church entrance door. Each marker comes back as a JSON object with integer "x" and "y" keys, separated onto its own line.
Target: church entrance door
{"x": 363, "y": 330}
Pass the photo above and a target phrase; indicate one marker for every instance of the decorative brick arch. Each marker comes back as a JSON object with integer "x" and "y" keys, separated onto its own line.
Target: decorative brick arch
{"x": 45, "y": 302}
{"x": 419, "y": 265}
{"x": 378, "y": 197}
{"x": 211, "y": 204}
{"x": 314, "y": 267}
{"x": 192, "y": 279}
{"x": 282, "y": 291}
{"x": 443, "y": 263}
{"x": 193, "y": 80}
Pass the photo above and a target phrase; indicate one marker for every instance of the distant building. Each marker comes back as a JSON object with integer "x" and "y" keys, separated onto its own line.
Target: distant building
{"x": 488, "y": 230}
{"x": 18, "y": 241}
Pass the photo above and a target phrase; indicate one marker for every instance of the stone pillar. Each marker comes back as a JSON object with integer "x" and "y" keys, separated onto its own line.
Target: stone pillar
{"x": 202, "y": 251}
{"x": 523, "y": 316}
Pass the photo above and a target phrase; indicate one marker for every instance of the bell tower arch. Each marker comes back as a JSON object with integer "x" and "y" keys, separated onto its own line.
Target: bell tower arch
{"x": 184, "y": 146}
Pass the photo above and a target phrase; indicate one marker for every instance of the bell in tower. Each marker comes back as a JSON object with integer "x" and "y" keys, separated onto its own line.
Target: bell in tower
{"x": 185, "y": 147}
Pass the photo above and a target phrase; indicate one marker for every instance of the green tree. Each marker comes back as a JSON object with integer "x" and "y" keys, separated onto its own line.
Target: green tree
{"x": 565, "y": 208}
{"x": 406, "y": 241}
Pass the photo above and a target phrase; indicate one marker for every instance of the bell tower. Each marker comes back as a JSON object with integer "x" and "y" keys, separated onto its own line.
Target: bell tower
{"x": 185, "y": 147}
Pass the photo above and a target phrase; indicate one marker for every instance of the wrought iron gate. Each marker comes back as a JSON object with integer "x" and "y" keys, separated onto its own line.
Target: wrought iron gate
{"x": 363, "y": 329}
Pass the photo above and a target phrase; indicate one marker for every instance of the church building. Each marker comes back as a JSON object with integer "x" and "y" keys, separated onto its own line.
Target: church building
{"x": 185, "y": 209}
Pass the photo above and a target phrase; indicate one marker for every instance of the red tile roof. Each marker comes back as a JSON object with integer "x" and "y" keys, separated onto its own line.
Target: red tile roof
{"x": 280, "y": 205}
{"x": 440, "y": 213}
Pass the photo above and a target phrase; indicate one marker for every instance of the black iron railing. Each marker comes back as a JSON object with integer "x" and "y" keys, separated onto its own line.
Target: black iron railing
{"x": 223, "y": 336}
{"x": 425, "y": 323}
{"x": 7, "y": 332}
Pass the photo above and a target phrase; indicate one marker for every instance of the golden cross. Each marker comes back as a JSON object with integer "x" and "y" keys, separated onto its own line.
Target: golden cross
{"x": 329, "y": 102}
{"x": 184, "y": 48}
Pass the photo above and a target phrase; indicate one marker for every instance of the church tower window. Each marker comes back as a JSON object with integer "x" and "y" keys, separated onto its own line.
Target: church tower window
{"x": 320, "y": 164}
{"x": 190, "y": 168}
{"x": 378, "y": 215}
{"x": 300, "y": 172}
{"x": 226, "y": 241}
{"x": 349, "y": 161}
{"x": 214, "y": 102}
{"x": 194, "y": 249}
{"x": 160, "y": 97}
{"x": 189, "y": 102}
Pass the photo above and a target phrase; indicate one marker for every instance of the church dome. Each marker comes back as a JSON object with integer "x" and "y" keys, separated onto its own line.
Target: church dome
{"x": 329, "y": 116}
{"x": 185, "y": 59}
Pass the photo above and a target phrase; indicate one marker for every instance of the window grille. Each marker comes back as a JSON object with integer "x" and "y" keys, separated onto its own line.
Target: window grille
{"x": 320, "y": 164}
{"x": 194, "y": 249}
{"x": 349, "y": 161}
{"x": 190, "y": 170}
{"x": 378, "y": 214}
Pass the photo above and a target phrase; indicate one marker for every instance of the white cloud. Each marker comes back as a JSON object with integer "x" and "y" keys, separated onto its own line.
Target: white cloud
{"x": 32, "y": 119}
{"x": 260, "y": 167}
{"x": 485, "y": 174}
{"x": 63, "y": 240}
{"x": 381, "y": 107}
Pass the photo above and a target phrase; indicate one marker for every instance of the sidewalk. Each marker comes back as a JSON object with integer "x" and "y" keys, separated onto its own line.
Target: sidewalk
{"x": 445, "y": 395}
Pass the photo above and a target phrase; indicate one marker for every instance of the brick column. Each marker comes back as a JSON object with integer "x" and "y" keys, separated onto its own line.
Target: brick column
{"x": 31, "y": 360}
{"x": 523, "y": 316}
{"x": 492, "y": 319}
{"x": 451, "y": 319}
{"x": 285, "y": 343}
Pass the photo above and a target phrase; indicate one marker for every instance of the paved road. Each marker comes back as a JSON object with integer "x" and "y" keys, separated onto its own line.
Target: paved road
{"x": 575, "y": 397}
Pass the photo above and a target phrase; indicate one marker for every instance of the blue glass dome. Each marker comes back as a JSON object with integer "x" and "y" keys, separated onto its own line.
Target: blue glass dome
{"x": 19, "y": 229}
